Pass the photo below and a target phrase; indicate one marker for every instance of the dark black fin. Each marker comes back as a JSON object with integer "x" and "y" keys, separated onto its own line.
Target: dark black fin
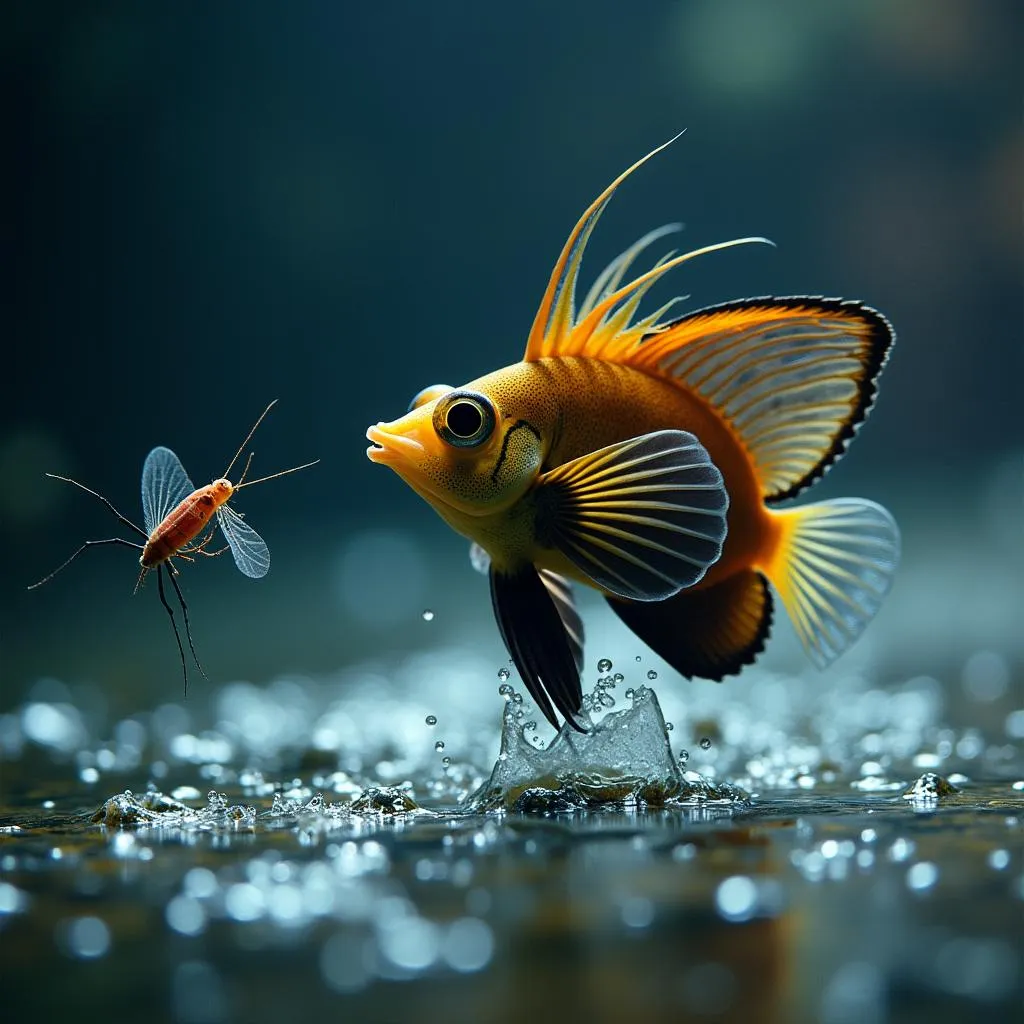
{"x": 561, "y": 593}
{"x": 643, "y": 518}
{"x": 536, "y": 638}
{"x": 560, "y": 590}
{"x": 711, "y": 632}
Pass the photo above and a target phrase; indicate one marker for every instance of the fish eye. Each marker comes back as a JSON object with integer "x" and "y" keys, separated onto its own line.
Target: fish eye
{"x": 428, "y": 394}
{"x": 464, "y": 419}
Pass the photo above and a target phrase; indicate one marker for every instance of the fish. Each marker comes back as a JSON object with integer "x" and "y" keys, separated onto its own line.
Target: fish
{"x": 646, "y": 457}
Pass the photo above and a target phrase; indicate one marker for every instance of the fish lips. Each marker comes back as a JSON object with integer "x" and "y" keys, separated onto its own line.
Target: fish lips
{"x": 392, "y": 449}
{"x": 406, "y": 456}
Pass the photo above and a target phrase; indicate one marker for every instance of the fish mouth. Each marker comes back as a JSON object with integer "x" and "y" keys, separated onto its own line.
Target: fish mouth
{"x": 387, "y": 449}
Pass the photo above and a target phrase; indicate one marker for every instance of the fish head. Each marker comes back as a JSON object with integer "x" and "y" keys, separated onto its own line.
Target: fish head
{"x": 462, "y": 449}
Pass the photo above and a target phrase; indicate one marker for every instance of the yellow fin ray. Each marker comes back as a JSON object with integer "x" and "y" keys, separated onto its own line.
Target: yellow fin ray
{"x": 833, "y": 565}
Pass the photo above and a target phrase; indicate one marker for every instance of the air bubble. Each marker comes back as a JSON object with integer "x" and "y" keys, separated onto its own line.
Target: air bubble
{"x": 604, "y": 665}
{"x": 651, "y": 674}
{"x": 684, "y": 756}
{"x": 705, "y": 743}
{"x": 503, "y": 674}
{"x": 428, "y": 615}
{"x": 431, "y": 719}
{"x": 439, "y": 746}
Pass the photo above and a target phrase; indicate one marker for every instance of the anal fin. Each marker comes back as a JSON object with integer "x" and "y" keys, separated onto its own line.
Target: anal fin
{"x": 711, "y": 632}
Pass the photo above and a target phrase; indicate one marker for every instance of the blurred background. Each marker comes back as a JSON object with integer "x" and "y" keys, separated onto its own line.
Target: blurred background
{"x": 336, "y": 205}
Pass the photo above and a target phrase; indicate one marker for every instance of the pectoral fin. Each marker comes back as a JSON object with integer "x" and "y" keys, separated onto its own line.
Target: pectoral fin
{"x": 642, "y": 519}
{"x": 536, "y": 638}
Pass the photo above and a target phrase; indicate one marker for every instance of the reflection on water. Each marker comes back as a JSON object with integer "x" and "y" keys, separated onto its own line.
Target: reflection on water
{"x": 290, "y": 847}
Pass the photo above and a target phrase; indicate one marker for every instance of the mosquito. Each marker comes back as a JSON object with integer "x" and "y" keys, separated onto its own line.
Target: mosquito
{"x": 178, "y": 519}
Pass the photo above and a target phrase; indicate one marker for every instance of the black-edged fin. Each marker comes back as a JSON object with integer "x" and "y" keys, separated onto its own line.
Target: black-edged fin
{"x": 536, "y": 639}
{"x": 561, "y": 593}
{"x": 642, "y": 519}
{"x": 711, "y": 632}
{"x": 792, "y": 376}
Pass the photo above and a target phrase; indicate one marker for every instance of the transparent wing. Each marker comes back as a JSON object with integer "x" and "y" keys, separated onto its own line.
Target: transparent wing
{"x": 252, "y": 556}
{"x": 164, "y": 484}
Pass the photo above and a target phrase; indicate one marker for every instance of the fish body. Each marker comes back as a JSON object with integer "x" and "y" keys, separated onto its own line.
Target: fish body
{"x": 642, "y": 457}
{"x": 571, "y": 407}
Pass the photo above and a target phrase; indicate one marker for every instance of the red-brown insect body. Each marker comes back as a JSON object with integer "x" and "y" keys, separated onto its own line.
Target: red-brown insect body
{"x": 184, "y": 522}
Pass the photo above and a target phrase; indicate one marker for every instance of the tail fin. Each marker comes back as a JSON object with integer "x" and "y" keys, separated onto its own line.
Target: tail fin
{"x": 832, "y": 566}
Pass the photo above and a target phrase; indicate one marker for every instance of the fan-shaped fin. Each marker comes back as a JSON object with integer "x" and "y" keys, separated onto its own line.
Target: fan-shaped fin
{"x": 793, "y": 377}
{"x": 641, "y": 519}
{"x": 833, "y": 566}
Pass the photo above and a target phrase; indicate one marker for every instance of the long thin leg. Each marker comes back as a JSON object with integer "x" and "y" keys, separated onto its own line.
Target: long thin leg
{"x": 87, "y": 544}
{"x": 174, "y": 625}
{"x": 124, "y": 519}
{"x": 184, "y": 611}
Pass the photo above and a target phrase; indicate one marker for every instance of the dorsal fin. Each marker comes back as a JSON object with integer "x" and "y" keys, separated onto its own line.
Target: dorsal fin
{"x": 793, "y": 377}
{"x": 556, "y": 331}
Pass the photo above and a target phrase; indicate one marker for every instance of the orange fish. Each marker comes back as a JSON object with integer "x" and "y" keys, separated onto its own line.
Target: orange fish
{"x": 644, "y": 457}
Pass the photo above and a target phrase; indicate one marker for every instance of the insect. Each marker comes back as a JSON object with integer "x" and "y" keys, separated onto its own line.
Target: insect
{"x": 644, "y": 456}
{"x": 179, "y": 524}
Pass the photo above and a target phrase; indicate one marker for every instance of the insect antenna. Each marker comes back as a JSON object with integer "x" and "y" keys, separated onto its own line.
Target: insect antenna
{"x": 124, "y": 519}
{"x": 274, "y": 476}
{"x": 188, "y": 628}
{"x": 248, "y": 437}
{"x": 87, "y": 544}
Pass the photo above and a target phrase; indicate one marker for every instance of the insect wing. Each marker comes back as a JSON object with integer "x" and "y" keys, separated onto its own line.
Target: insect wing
{"x": 164, "y": 484}
{"x": 252, "y": 556}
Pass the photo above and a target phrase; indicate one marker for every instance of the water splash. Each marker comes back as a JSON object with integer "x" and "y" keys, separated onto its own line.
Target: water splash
{"x": 625, "y": 759}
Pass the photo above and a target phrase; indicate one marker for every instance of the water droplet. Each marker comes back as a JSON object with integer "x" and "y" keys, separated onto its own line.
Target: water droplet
{"x": 428, "y": 615}
{"x": 439, "y": 746}
{"x": 431, "y": 719}
{"x": 684, "y": 756}
{"x": 705, "y": 743}
{"x": 651, "y": 674}
{"x": 604, "y": 665}
{"x": 503, "y": 674}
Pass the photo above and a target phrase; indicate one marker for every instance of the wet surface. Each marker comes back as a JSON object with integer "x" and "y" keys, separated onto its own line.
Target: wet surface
{"x": 234, "y": 869}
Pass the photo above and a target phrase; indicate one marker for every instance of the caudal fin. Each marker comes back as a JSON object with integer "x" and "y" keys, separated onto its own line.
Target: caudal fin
{"x": 832, "y": 567}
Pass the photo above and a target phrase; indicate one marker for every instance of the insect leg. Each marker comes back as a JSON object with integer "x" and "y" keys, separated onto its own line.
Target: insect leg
{"x": 87, "y": 544}
{"x": 184, "y": 611}
{"x": 123, "y": 519}
{"x": 174, "y": 625}
{"x": 200, "y": 548}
